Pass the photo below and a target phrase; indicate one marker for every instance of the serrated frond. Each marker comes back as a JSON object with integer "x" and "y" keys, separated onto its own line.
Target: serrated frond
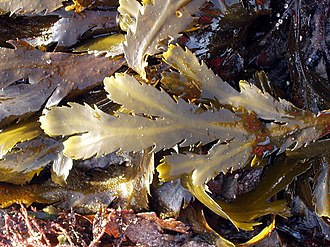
{"x": 213, "y": 87}
{"x": 221, "y": 158}
{"x": 160, "y": 21}
{"x": 29, "y": 6}
{"x": 100, "y": 133}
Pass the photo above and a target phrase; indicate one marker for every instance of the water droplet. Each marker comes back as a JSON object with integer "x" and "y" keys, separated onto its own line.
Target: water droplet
{"x": 286, "y": 6}
{"x": 49, "y": 61}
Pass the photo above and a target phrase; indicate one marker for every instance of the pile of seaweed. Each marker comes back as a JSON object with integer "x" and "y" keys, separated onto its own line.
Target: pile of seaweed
{"x": 164, "y": 123}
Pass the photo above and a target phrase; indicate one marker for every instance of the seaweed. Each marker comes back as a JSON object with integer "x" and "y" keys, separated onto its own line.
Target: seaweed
{"x": 165, "y": 100}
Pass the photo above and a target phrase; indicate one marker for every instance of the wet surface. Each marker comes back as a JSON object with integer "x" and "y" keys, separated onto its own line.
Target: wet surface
{"x": 288, "y": 40}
